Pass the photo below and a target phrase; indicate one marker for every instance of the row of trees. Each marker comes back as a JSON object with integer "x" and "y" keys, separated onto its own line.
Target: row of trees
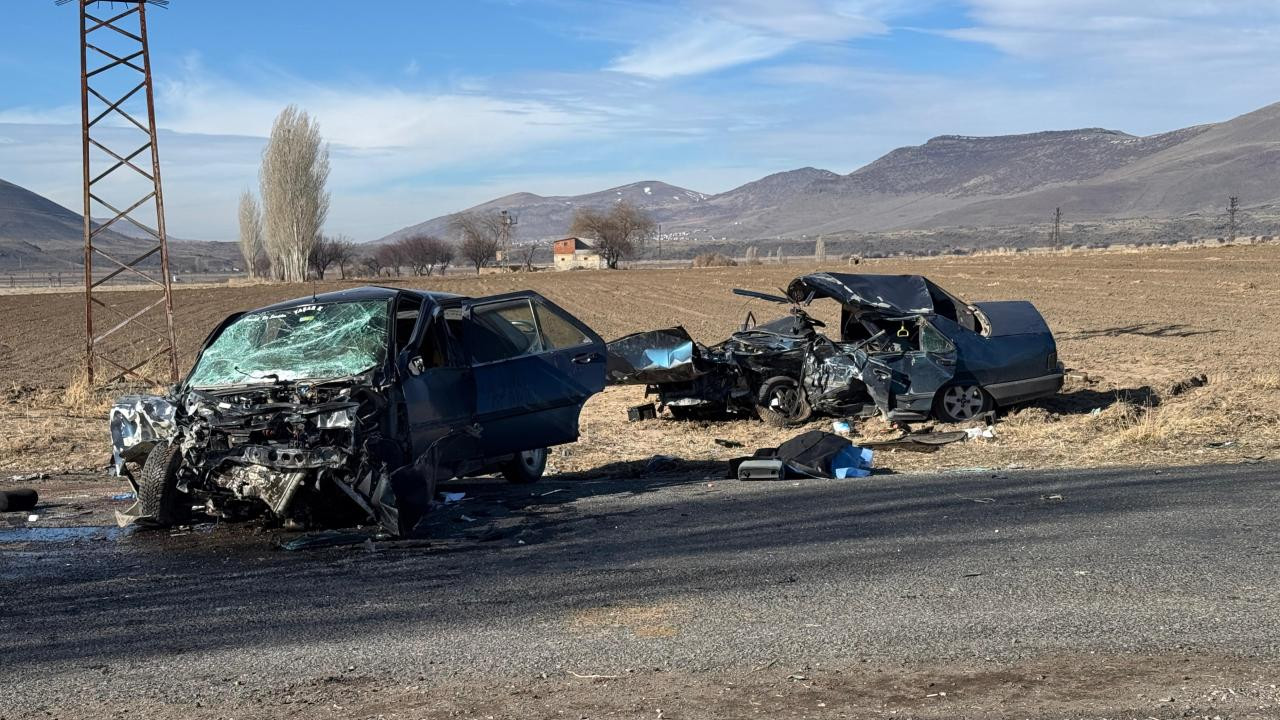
{"x": 281, "y": 227}
{"x": 279, "y": 234}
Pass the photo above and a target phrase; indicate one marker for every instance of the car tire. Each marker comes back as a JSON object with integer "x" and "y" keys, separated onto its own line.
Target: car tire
{"x": 961, "y": 403}
{"x": 527, "y": 467}
{"x": 158, "y": 495}
{"x": 782, "y": 403}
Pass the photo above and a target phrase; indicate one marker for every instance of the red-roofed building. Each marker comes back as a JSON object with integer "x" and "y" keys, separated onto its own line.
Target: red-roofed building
{"x": 572, "y": 253}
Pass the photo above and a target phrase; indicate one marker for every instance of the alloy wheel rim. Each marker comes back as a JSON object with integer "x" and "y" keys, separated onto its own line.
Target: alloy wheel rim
{"x": 963, "y": 402}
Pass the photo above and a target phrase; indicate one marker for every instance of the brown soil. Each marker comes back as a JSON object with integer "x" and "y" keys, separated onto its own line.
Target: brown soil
{"x": 1133, "y": 323}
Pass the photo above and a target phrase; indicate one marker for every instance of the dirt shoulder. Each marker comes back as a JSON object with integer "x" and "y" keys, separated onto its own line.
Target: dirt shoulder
{"x": 1088, "y": 686}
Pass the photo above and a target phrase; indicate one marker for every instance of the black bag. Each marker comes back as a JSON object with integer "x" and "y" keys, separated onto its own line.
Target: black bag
{"x": 811, "y": 453}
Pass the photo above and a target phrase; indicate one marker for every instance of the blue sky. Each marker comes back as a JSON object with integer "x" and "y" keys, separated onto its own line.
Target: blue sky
{"x": 433, "y": 106}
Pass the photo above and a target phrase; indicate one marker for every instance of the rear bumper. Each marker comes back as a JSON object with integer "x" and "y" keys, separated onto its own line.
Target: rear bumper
{"x": 1009, "y": 393}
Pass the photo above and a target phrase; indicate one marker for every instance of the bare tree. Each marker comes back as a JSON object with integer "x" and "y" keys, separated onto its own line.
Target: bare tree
{"x": 344, "y": 253}
{"x": 444, "y": 256}
{"x": 482, "y": 234}
{"x": 619, "y": 232}
{"x": 321, "y": 257}
{"x": 250, "y": 232}
{"x": 328, "y": 252}
{"x": 524, "y": 254}
{"x": 424, "y": 253}
{"x": 391, "y": 256}
{"x": 295, "y": 169}
{"x": 372, "y": 264}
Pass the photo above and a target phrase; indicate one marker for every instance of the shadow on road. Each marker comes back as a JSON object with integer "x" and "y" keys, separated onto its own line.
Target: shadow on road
{"x": 572, "y": 541}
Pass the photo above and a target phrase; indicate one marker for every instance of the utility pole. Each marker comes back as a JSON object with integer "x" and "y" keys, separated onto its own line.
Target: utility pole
{"x": 1057, "y": 229}
{"x": 505, "y": 233}
{"x": 659, "y": 242}
{"x": 1233, "y": 207}
{"x": 115, "y": 82}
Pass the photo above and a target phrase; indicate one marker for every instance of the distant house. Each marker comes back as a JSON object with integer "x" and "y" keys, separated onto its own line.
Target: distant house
{"x": 574, "y": 252}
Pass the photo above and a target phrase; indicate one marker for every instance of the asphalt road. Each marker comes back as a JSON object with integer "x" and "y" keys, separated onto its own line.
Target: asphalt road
{"x": 680, "y": 573}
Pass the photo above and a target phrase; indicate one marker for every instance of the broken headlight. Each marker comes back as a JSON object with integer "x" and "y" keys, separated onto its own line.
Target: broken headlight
{"x": 336, "y": 419}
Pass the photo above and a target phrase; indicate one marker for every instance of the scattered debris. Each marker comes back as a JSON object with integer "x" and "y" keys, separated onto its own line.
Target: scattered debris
{"x": 813, "y": 454}
{"x": 842, "y": 428}
{"x": 1220, "y": 444}
{"x": 123, "y": 497}
{"x": 647, "y": 411}
{"x": 924, "y": 442}
{"x": 1055, "y": 497}
{"x": 328, "y": 539}
{"x": 29, "y": 477}
{"x": 20, "y": 500}
{"x": 985, "y": 433}
{"x": 728, "y": 443}
{"x": 450, "y": 498}
{"x": 761, "y": 469}
{"x": 659, "y": 463}
{"x": 33, "y": 518}
{"x": 1186, "y": 384}
{"x": 907, "y": 350}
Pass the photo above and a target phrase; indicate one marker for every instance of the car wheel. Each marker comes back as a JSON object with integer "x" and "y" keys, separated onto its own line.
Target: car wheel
{"x": 527, "y": 467}
{"x": 158, "y": 495}
{"x": 782, "y": 403}
{"x": 958, "y": 403}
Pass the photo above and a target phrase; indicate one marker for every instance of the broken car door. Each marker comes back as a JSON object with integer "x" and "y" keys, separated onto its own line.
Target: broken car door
{"x": 534, "y": 366}
{"x": 922, "y": 363}
{"x": 439, "y": 386}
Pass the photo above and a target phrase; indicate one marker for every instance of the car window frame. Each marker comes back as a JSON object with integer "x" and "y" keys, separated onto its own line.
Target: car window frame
{"x": 469, "y": 318}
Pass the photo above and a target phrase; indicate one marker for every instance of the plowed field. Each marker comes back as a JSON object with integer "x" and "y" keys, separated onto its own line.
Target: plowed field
{"x": 1134, "y": 322}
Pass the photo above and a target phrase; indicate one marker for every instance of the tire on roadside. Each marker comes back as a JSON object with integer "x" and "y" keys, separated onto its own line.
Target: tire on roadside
{"x": 526, "y": 467}
{"x": 158, "y": 495}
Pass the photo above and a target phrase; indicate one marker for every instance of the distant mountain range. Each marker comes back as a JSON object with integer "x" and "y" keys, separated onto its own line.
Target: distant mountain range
{"x": 958, "y": 181}
{"x": 951, "y": 184}
{"x": 39, "y": 234}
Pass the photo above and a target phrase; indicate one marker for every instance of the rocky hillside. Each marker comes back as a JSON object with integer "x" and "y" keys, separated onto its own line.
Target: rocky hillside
{"x": 952, "y": 181}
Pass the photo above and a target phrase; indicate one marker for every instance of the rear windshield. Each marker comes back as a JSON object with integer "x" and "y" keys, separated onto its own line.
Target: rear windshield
{"x": 310, "y": 342}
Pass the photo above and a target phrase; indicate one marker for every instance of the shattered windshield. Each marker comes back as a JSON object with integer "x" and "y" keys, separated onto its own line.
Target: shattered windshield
{"x": 323, "y": 340}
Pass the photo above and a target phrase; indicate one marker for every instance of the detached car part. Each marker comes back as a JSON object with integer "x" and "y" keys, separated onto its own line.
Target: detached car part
{"x": 348, "y": 407}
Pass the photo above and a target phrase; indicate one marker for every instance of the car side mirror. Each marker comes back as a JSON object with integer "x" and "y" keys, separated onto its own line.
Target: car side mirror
{"x": 416, "y": 366}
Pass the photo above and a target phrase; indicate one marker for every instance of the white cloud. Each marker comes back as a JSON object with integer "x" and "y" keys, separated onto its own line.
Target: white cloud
{"x": 728, "y": 33}
{"x": 705, "y": 46}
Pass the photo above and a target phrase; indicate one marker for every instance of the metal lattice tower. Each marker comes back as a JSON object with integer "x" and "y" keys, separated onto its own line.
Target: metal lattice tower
{"x": 119, "y": 126}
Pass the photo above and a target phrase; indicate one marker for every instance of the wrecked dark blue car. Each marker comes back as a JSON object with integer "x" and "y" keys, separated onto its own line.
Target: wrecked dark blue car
{"x": 905, "y": 349}
{"x": 348, "y": 407}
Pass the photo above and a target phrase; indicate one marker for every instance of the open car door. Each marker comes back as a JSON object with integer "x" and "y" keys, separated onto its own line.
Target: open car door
{"x": 534, "y": 366}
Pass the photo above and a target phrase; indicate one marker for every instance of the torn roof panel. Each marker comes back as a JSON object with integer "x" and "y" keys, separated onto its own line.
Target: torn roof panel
{"x": 901, "y": 294}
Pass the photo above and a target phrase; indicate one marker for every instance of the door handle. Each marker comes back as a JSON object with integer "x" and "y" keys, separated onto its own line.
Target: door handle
{"x": 586, "y": 358}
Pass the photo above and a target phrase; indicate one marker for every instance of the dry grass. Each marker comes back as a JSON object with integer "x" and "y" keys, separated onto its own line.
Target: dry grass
{"x": 1135, "y": 322}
